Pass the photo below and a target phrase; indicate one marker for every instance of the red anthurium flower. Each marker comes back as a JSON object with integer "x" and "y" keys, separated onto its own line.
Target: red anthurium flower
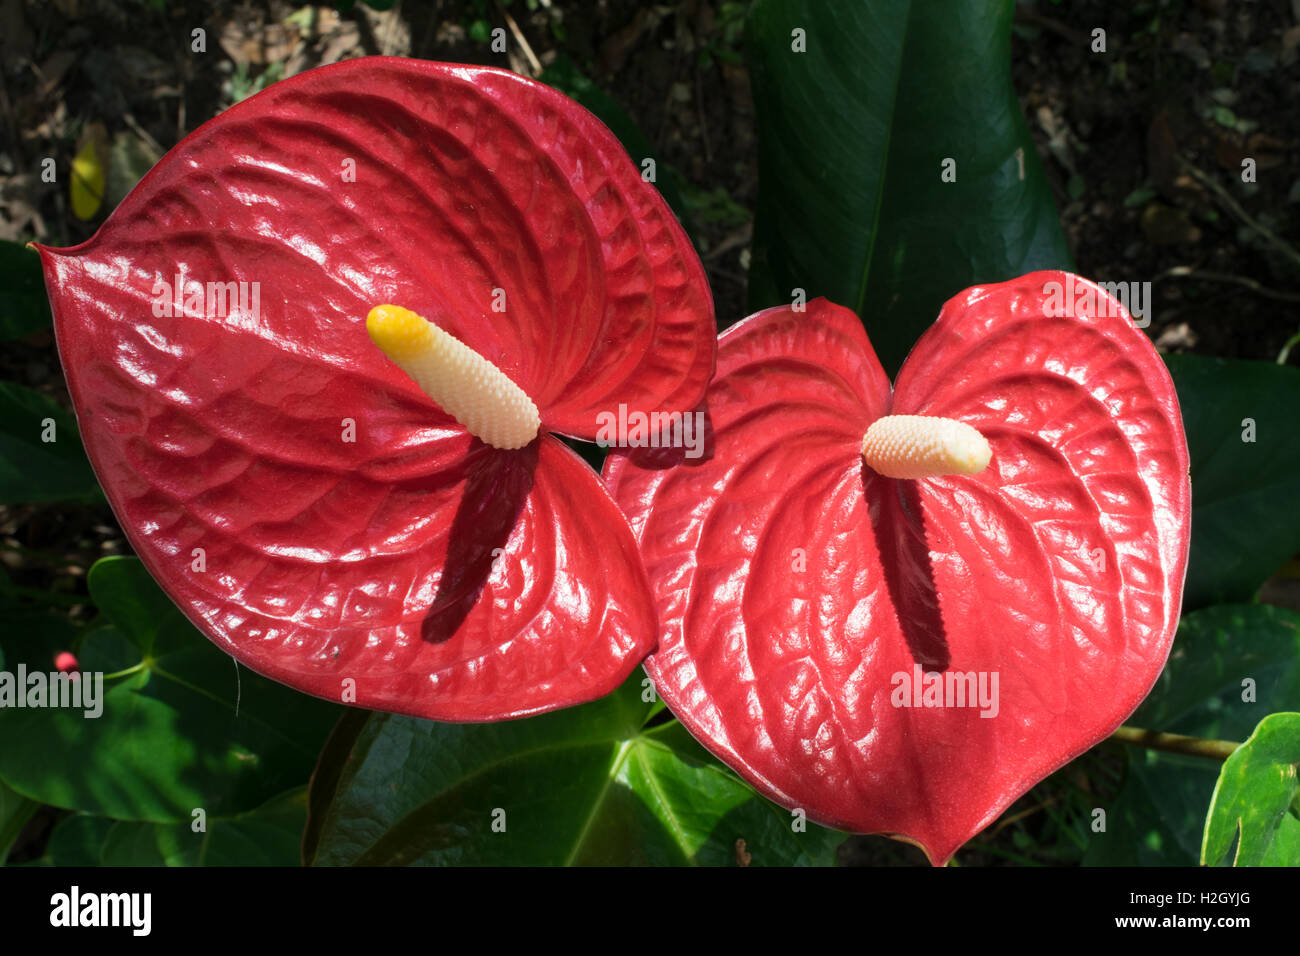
{"x": 304, "y": 495}
{"x": 899, "y": 624}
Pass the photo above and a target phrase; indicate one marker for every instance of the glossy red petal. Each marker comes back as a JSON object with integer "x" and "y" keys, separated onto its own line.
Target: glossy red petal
{"x": 339, "y": 511}
{"x": 631, "y": 318}
{"x": 414, "y": 570}
{"x": 796, "y": 584}
{"x": 491, "y": 204}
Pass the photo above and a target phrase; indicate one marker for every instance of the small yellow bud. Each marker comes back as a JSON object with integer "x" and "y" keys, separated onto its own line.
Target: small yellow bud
{"x": 468, "y": 387}
{"x": 924, "y": 446}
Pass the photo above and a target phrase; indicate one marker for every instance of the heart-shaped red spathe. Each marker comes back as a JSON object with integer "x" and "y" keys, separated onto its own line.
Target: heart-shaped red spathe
{"x": 796, "y": 585}
{"x": 299, "y": 497}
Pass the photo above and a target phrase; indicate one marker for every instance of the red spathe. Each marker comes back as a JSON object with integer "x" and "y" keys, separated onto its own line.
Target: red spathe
{"x": 801, "y": 594}
{"x": 299, "y": 497}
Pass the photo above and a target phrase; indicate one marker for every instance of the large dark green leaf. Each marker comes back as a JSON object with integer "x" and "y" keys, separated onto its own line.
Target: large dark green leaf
{"x": 23, "y": 306}
{"x": 41, "y": 458}
{"x": 267, "y": 836}
{"x": 852, "y": 137}
{"x": 587, "y": 785}
{"x": 1245, "y": 494}
{"x": 1254, "y": 804}
{"x": 180, "y": 727}
{"x": 1159, "y": 815}
{"x": 75, "y": 841}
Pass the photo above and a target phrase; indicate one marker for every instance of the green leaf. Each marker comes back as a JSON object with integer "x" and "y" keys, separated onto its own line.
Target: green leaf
{"x": 854, "y": 134}
{"x": 15, "y": 811}
{"x": 1158, "y": 817}
{"x": 1139, "y": 197}
{"x": 564, "y": 76}
{"x": 24, "y": 308}
{"x": 709, "y": 808}
{"x": 181, "y": 727}
{"x": 1252, "y": 800}
{"x": 1224, "y": 117}
{"x": 1245, "y": 523}
{"x": 325, "y": 780}
{"x": 587, "y": 785}
{"x": 76, "y": 841}
{"x": 41, "y": 458}
{"x": 267, "y": 836}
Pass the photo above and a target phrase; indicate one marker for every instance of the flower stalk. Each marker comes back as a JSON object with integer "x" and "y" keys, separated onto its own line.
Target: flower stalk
{"x": 1175, "y": 743}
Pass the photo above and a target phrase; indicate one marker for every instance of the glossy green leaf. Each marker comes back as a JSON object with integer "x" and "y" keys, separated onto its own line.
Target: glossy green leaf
{"x": 1222, "y": 657}
{"x": 181, "y": 727}
{"x": 267, "y": 836}
{"x": 1255, "y": 797}
{"x": 24, "y": 309}
{"x": 1240, "y": 421}
{"x": 855, "y": 135}
{"x": 41, "y": 458}
{"x": 587, "y": 785}
{"x": 708, "y": 808}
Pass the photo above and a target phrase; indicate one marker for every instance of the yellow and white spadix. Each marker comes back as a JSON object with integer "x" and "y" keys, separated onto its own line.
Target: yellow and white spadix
{"x": 467, "y": 386}
{"x": 924, "y": 446}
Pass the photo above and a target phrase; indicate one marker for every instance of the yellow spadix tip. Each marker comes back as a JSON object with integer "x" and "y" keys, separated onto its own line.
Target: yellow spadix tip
{"x": 467, "y": 386}
{"x": 400, "y": 333}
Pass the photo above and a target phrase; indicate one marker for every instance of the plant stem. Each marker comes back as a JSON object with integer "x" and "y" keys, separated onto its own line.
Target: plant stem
{"x": 1291, "y": 343}
{"x": 1176, "y": 743}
